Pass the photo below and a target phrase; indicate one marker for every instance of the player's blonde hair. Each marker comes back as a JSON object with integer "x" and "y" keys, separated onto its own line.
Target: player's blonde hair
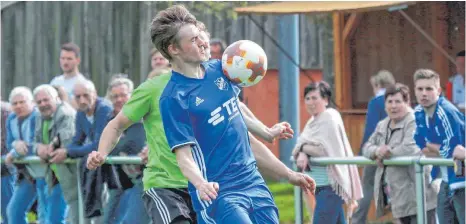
{"x": 427, "y": 74}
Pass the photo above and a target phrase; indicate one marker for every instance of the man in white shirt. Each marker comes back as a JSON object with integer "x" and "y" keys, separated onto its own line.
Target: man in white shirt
{"x": 69, "y": 62}
{"x": 457, "y": 82}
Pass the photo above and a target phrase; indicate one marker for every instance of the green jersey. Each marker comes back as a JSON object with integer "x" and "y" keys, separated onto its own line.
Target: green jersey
{"x": 162, "y": 169}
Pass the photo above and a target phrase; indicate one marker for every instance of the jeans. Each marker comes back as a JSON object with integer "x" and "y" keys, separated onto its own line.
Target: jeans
{"x": 450, "y": 205}
{"x": 329, "y": 207}
{"x": 135, "y": 211}
{"x": 7, "y": 193}
{"x": 113, "y": 210}
{"x": 127, "y": 206}
{"x": 56, "y": 206}
{"x": 23, "y": 197}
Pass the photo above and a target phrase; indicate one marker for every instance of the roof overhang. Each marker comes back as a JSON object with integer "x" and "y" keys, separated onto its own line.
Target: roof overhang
{"x": 321, "y": 7}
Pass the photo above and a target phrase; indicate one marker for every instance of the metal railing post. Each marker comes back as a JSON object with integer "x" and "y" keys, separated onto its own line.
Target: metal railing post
{"x": 80, "y": 195}
{"x": 298, "y": 201}
{"x": 420, "y": 199}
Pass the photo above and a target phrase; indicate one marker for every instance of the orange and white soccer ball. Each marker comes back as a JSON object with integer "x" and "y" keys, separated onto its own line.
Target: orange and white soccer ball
{"x": 244, "y": 63}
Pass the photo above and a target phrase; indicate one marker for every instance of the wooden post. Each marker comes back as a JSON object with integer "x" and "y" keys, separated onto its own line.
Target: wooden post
{"x": 341, "y": 36}
{"x": 338, "y": 60}
{"x": 350, "y": 26}
{"x": 440, "y": 35}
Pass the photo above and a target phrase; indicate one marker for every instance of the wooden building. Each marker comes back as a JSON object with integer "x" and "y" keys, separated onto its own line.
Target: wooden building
{"x": 370, "y": 36}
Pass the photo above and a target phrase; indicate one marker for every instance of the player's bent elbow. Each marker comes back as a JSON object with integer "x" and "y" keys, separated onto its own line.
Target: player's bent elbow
{"x": 121, "y": 121}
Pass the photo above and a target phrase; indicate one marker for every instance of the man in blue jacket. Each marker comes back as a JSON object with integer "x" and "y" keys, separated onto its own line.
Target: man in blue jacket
{"x": 30, "y": 185}
{"x": 375, "y": 113}
{"x": 440, "y": 128}
{"x": 92, "y": 117}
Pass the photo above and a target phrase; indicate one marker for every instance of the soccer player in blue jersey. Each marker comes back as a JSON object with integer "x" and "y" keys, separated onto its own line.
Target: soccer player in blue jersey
{"x": 440, "y": 129}
{"x": 204, "y": 127}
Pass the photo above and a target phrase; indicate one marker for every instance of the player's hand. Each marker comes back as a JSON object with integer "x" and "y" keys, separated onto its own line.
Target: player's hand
{"x": 281, "y": 131}
{"x": 302, "y": 180}
{"x": 95, "y": 159}
{"x": 144, "y": 154}
{"x": 208, "y": 191}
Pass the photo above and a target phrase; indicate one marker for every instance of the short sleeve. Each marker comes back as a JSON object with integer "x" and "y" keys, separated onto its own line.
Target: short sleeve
{"x": 138, "y": 105}
{"x": 176, "y": 124}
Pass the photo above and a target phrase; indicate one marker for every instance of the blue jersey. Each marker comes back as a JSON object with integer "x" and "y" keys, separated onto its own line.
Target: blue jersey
{"x": 446, "y": 128}
{"x": 204, "y": 113}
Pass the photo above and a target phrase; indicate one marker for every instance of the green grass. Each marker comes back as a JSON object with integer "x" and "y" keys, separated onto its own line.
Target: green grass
{"x": 284, "y": 198}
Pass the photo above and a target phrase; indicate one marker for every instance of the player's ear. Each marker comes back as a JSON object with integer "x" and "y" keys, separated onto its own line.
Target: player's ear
{"x": 173, "y": 50}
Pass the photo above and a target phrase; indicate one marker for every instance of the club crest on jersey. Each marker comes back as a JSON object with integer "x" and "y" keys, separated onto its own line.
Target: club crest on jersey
{"x": 221, "y": 84}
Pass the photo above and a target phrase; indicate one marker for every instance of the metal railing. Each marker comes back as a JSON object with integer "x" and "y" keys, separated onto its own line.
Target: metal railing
{"x": 418, "y": 162}
{"x": 110, "y": 160}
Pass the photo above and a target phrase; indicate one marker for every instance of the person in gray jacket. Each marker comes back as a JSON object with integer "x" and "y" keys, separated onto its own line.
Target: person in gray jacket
{"x": 394, "y": 186}
{"x": 55, "y": 128}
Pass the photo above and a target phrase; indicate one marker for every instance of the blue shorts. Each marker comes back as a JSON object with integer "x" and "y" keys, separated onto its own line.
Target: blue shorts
{"x": 252, "y": 205}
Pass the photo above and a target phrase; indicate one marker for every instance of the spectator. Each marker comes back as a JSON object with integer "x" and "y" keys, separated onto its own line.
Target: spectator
{"x": 55, "y": 128}
{"x": 217, "y": 47}
{"x": 455, "y": 89}
{"x": 375, "y": 113}
{"x": 324, "y": 135}
{"x": 69, "y": 63}
{"x": 20, "y": 126}
{"x": 393, "y": 137}
{"x": 126, "y": 201}
{"x": 92, "y": 116}
{"x": 159, "y": 64}
{"x": 113, "y": 77}
{"x": 8, "y": 172}
{"x": 62, "y": 94}
{"x": 440, "y": 128}
{"x": 157, "y": 60}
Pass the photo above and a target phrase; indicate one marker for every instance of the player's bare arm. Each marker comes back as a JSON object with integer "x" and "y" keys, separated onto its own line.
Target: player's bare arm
{"x": 280, "y": 130}
{"x": 273, "y": 167}
{"x": 207, "y": 190}
{"x": 110, "y": 137}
